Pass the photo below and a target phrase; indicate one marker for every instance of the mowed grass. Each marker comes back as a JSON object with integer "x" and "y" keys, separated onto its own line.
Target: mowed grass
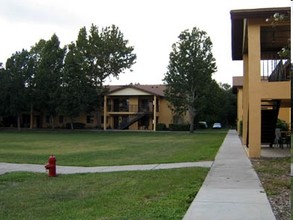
{"x": 157, "y": 194}
{"x": 92, "y": 148}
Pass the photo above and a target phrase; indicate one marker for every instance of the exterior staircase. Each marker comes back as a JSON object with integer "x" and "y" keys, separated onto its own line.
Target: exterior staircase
{"x": 131, "y": 120}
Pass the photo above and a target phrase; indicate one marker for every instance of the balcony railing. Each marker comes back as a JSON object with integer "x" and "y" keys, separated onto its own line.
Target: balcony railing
{"x": 130, "y": 108}
{"x": 275, "y": 70}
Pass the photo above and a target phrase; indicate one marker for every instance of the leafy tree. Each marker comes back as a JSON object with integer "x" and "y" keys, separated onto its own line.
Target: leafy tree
{"x": 76, "y": 92}
{"x": 221, "y": 105}
{"x": 49, "y": 59}
{"x": 19, "y": 68}
{"x": 105, "y": 54}
{"x": 189, "y": 73}
{"x": 4, "y": 91}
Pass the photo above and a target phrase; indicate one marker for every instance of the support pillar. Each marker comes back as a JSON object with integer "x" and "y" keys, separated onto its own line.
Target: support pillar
{"x": 254, "y": 90}
{"x": 155, "y": 113}
{"x": 105, "y": 113}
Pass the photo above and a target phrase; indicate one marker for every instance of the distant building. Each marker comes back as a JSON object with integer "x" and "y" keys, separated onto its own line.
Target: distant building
{"x": 131, "y": 107}
{"x": 137, "y": 107}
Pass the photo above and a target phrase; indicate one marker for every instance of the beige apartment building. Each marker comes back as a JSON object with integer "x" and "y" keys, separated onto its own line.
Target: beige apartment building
{"x": 264, "y": 91}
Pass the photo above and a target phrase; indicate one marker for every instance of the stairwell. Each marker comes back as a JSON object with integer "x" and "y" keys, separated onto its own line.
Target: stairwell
{"x": 269, "y": 117}
{"x": 131, "y": 120}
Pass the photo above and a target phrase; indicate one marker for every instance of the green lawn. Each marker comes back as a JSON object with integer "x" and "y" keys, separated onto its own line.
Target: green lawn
{"x": 157, "y": 194}
{"x": 92, "y": 148}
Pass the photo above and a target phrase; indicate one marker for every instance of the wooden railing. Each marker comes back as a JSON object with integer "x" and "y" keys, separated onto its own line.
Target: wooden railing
{"x": 130, "y": 108}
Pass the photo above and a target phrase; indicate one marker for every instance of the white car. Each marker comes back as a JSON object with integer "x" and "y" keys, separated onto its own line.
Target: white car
{"x": 217, "y": 126}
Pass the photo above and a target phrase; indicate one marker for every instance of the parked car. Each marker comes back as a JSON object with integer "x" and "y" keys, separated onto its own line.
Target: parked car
{"x": 217, "y": 126}
{"x": 202, "y": 124}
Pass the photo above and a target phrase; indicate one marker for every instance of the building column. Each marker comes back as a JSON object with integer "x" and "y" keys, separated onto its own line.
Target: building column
{"x": 245, "y": 101}
{"x": 254, "y": 91}
{"x": 105, "y": 113}
{"x": 155, "y": 113}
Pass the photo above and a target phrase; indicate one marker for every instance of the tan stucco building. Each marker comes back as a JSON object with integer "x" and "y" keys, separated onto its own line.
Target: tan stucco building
{"x": 136, "y": 107}
{"x": 258, "y": 35}
{"x": 131, "y": 107}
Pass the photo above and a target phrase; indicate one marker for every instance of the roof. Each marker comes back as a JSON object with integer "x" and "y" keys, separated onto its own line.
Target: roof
{"x": 271, "y": 42}
{"x": 157, "y": 90}
{"x": 237, "y": 83}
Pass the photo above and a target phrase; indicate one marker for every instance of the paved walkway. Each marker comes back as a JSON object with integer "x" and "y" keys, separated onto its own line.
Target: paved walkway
{"x": 231, "y": 190}
{"x": 11, "y": 167}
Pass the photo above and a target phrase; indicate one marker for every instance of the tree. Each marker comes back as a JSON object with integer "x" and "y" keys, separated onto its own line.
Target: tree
{"x": 4, "y": 91}
{"x": 76, "y": 92}
{"x": 105, "y": 54}
{"x": 49, "y": 57}
{"x": 189, "y": 73}
{"x": 19, "y": 68}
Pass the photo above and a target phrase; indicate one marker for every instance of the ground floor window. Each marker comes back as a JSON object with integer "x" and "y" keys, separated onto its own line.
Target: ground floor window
{"x": 89, "y": 119}
{"x": 178, "y": 119}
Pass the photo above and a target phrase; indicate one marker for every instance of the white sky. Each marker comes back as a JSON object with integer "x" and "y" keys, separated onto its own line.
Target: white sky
{"x": 151, "y": 26}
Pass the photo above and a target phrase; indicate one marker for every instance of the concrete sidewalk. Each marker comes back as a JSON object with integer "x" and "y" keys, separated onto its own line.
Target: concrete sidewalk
{"x": 232, "y": 189}
{"x": 11, "y": 167}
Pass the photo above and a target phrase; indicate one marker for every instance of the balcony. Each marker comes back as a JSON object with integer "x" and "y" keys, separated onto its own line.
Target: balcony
{"x": 130, "y": 109}
{"x": 276, "y": 70}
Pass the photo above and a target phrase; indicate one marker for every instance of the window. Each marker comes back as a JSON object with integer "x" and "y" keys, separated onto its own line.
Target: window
{"x": 178, "y": 119}
{"x": 90, "y": 119}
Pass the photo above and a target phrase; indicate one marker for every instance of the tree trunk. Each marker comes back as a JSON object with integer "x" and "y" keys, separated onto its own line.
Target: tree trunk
{"x": 52, "y": 122}
{"x": 71, "y": 123}
{"x": 32, "y": 117}
{"x": 18, "y": 121}
{"x": 98, "y": 114}
{"x": 191, "y": 112}
{"x": 191, "y": 128}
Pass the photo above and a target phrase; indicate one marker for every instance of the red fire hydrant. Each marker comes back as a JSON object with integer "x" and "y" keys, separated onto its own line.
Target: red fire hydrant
{"x": 51, "y": 166}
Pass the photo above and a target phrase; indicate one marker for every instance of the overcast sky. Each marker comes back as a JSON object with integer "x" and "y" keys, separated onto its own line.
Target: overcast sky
{"x": 151, "y": 26}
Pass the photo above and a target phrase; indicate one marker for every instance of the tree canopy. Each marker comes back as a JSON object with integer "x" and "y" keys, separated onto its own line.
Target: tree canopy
{"x": 66, "y": 80}
{"x": 189, "y": 76}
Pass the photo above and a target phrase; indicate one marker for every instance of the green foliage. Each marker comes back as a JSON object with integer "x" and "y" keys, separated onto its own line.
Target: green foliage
{"x": 282, "y": 125}
{"x": 105, "y": 53}
{"x": 54, "y": 80}
{"x": 76, "y": 125}
{"x": 48, "y": 74}
{"x": 17, "y": 83}
{"x": 161, "y": 127}
{"x": 76, "y": 91}
{"x": 189, "y": 73}
{"x": 179, "y": 127}
{"x": 221, "y": 105}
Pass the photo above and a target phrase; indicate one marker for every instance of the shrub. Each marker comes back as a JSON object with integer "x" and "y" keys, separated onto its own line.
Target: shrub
{"x": 161, "y": 127}
{"x": 179, "y": 127}
{"x": 282, "y": 125}
{"x": 76, "y": 125}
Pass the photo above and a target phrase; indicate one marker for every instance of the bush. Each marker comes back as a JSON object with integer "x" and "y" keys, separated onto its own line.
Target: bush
{"x": 76, "y": 125}
{"x": 179, "y": 127}
{"x": 282, "y": 125}
{"x": 161, "y": 127}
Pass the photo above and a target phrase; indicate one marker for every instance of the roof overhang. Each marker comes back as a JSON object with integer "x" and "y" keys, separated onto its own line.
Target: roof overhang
{"x": 274, "y": 36}
{"x": 137, "y": 89}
